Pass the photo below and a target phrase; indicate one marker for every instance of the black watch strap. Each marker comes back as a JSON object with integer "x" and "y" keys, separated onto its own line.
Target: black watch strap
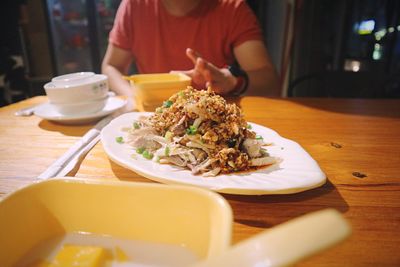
{"x": 241, "y": 87}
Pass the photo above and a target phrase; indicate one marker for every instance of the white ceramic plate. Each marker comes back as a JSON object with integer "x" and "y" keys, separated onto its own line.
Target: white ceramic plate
{"x": 46, "y": 111}
{"x": 297, "y": 172}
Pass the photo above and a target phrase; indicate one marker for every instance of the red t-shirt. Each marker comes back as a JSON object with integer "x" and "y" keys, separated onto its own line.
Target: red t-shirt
{"x": 158, "y": 40}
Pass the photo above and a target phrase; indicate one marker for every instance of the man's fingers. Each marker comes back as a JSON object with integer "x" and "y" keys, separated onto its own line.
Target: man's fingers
{"x": 205, "y": 73}
{"x": 195, "y": 57}
{"x": 200, "y": 64}
{"x": 192, "y": 55}
{"x": 209, "y": 71}
{"x": 202, "y": 67}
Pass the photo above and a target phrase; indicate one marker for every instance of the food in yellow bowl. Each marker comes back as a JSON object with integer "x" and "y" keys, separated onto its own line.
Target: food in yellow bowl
{"x": 153, "y": 224}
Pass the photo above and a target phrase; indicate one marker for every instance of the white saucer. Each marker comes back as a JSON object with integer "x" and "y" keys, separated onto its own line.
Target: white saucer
{"x": 47, "y": 111}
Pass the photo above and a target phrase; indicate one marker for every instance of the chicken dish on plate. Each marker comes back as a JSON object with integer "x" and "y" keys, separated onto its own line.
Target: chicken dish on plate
{"x": 199, "y": 130}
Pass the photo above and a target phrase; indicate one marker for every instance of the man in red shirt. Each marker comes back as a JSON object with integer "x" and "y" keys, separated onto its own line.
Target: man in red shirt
{"x": 201, "y": 38}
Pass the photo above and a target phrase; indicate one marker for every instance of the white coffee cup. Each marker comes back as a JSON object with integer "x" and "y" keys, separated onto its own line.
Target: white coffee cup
{"x": 78, "y": 93}
{"x": 72, "y": 78}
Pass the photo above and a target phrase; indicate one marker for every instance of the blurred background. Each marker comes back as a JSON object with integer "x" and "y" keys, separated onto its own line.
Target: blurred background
{"x": 321, "y": 48}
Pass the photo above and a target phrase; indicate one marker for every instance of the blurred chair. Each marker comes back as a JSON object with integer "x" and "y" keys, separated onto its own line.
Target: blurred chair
{"x": 346, "y": 84}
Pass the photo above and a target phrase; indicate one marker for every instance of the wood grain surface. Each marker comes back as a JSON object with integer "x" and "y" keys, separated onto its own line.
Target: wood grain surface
{"x": 356, "y": 143}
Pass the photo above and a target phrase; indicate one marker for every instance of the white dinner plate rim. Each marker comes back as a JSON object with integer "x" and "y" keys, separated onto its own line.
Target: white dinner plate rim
{"x": 261, "y": 182}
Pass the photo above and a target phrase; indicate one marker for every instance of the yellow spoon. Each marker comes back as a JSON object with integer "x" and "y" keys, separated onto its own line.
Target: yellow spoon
{"x": 286, "y": 243}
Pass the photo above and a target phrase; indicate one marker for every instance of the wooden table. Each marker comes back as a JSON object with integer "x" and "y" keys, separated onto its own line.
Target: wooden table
{"x": 356, "y": 143}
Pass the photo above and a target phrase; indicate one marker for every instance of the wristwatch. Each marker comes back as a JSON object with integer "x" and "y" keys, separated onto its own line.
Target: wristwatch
{"x": 242, "y": 79}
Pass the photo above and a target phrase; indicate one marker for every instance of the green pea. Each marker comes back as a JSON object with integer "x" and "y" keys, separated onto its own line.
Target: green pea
{"x": 192, "y": 130}
{"x": 147, "y": 154}
{"x": 168, "y": 103}
{"x": 140, "y": 150}
{"x": 136, "y": 125}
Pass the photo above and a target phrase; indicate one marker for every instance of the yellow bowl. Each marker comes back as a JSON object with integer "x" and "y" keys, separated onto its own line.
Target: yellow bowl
{"x": 152, "y": 89}
{"x": 198, "y": 219}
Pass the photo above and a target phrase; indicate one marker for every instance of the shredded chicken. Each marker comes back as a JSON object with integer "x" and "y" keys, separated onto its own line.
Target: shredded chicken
{"x": 199, "y": 130}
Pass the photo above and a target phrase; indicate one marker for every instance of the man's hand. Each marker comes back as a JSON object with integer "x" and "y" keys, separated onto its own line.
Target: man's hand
{"x": 204, "y": 74}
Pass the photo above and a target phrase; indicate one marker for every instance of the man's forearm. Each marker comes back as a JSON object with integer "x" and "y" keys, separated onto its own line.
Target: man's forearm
{"x": 263, "y": 82}
{"x": 116, "y": 82}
